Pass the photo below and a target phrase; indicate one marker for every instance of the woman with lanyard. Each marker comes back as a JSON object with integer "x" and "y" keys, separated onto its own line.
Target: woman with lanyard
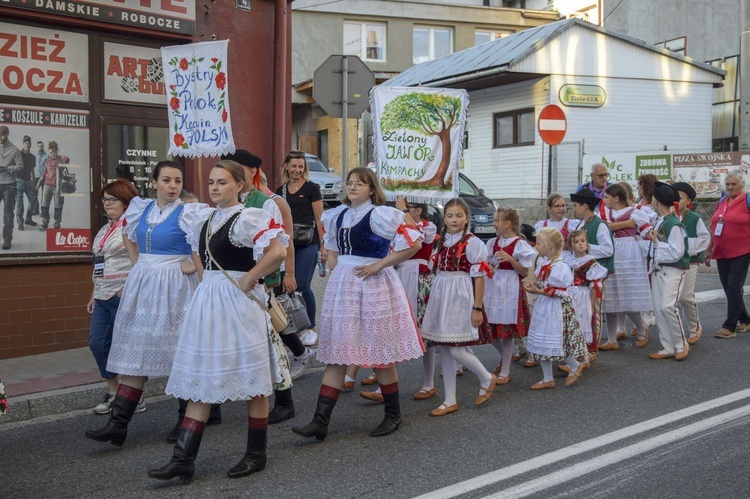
{"x": 224, "y": 349}
{"x": 155, "y": 297}
{"x": 730, "y": 247}
{"x": 111, "y": 268}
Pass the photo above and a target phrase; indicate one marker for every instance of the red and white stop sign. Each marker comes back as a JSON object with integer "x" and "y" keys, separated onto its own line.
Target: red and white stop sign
{"x": 552, "y": 124}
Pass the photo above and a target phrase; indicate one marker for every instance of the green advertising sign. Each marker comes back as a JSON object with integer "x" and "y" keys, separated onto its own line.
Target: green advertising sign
{"x": 582, "y": 95}
{"x": 655, "y": 164}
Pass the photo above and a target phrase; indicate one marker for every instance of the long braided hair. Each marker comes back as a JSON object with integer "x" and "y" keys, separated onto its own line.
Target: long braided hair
{"x": 443, "y": 231}
{"x": 511, "y": 216}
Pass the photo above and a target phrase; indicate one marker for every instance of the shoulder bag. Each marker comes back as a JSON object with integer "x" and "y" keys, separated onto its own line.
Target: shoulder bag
{"x": 296, "y": 312}
{"x": 302, "y": 234}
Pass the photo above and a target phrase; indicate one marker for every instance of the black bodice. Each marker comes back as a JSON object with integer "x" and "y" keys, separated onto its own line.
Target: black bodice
{"x": 226, "y": 253}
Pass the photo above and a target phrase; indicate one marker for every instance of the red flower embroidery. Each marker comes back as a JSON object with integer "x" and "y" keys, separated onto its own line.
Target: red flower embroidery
{"x": 183, "y": 64}
{"x": 172, "y": 87}
{"x": 174, "y": 103}
{"x": 214, "y": 60}
{"x": 221, "y": 80}
{"x": 178, "y": 139}
{"x": 224, "y": 116}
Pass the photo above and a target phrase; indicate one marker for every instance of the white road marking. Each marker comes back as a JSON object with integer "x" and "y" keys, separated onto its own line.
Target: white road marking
{"x": 614, "y": 457}
{"x": 715, "y": 294}
{"x": 580, "y": 447}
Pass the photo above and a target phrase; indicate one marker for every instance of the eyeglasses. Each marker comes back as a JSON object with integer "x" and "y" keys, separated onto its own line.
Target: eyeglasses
{"x": 559, "y": 205}
{"x": 411, "y": 207}
{"x": 351, "y": 184}
{"x": 109, "y": 200}
{"x": 600, "y": 175}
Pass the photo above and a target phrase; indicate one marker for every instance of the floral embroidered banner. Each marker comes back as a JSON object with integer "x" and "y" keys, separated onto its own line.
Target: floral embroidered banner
{"x": 198, "y": 98}
{"x": 418, "y": 134}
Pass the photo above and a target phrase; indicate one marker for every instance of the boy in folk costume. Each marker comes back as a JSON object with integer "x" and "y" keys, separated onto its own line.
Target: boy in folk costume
{"x": 601, "y": 247}
{"x": 669, "y": 261}
{"x": 698, "y": 240}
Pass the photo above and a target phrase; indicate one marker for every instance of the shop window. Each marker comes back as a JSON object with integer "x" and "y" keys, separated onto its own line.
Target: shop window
{"x": 514, "y": 128}
{"x": 365, "y": 40}
{"x": 486, "y": 36}
{"x": 432, "y": 43}
{"x": 132, "y": 153}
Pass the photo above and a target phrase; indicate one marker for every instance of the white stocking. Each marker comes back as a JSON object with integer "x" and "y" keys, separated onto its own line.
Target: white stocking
{"x": 506, "y": 354}
{"x": 428, "y": 364}
{"x": 462, "y": 356}
{"x": 449, "y": 376}
{"x": 573, "y": 364}
{"x": 611, "y": 328}
{"x": 547, "y": 370}
{"x": 637, "y": 321}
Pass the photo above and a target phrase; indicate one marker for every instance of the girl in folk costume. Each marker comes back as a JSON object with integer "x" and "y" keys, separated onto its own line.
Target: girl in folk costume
{"x": 587, "y": 274}
{"x": 698, "y": 240}
{"x": 225, "y": 351}
{"x": 416, "y": 277}
{"x": 505, "y": 299}
{"x": 645, "y": 192}
{"x": 628, "y": 291}
{"x": 455, "y": 318}
{"x": 554, "y": 332}
{"x": 366, "y": 319}
{"x": 556, "y": 208}
{"x": 155, "y": 297}
{"x": 668, "y": 254}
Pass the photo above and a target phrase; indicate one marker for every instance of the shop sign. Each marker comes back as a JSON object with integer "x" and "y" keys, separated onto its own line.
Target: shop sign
{"x": 43, "y": 63}
{"x": 133, "y": 74}
{"x": 706, "y": 171}
{"x": 582, "y": 95}
{"x": 68, "y": 198}
{"x": 173, "y": 16}
{"x": 625, "y": 166}
{"x": 655, "y": 164}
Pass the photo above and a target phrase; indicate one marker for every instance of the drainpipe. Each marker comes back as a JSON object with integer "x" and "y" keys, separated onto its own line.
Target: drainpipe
{"x": 281, "y": 90}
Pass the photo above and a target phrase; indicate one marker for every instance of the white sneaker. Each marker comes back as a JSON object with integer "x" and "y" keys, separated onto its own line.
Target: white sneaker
{"x": 299, "y": 364}
{"x": 141, "y": 406}
{"x": 106, "y": 404}
{"x": 309, "y": 338}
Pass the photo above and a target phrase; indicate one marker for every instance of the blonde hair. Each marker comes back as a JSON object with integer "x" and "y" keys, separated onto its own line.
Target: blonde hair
{"x": 511, "y": 215}
{"x": 295, "y": 155}
{"x": 553, "y": 238}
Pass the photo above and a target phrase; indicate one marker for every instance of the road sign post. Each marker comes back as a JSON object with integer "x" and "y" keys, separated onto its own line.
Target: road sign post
{"x": 341, "y": 86}
{"x": 552, "y": 126}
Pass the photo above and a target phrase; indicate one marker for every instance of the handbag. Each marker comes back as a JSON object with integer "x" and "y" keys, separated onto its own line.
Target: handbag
{"x": 296, "y": 312}
{"x": 67, "y": 181}
{"x": 278, "y": 315}
{"x": 302, "y": 234}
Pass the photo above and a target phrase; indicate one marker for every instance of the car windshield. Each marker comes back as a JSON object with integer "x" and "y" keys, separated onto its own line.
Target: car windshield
{"x": 466, "y": 187}
{"x": 314, "y": 164}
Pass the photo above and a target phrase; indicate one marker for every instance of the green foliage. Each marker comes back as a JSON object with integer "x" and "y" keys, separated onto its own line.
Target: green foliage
{"x": 429, "y": 114}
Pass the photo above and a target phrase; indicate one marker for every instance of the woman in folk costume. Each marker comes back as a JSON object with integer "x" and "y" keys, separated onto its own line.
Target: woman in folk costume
{"x": 455, "y": 317}
{"x": 505, "y": 299}
{"x": 554, "y": 332}
{"x": 225, "y": 350}
{"x": 669, "y": 258}
{"x": 155, "y": 297}
{"x": 365, "y": 316}
{"x": 556, "y": 209}
{"x": 628, "y": 291}
{"x": 588, "y": 274}
{"x": 698, "y": 240}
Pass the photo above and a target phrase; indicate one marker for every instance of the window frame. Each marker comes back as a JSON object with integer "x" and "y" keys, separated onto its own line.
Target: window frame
{"x": 493, "y": 34}
{"x": 431, "y": 41}
{"x": 515, "y": 114}
{"x": 363, "y": 28}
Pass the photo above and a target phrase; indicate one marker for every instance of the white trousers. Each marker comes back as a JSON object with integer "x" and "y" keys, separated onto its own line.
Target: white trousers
{"x": 667, "y": 285}
{"x": 687, "y": 300}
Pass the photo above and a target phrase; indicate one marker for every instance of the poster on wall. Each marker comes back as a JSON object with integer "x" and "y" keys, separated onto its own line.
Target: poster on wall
{"x": 706, "y": 171}
{"x": 418, "y": 135}
{"x": 628, "y": 166}
{"x": 198, "y": 97}
{"x": 52, "y": 206}
{"x": 43, "y": 63}
{"x": 133, "y": 74}
{"x": 133, "y": 152}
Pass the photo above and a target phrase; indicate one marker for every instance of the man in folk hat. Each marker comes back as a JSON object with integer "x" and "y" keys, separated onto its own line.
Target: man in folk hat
{"x": 669, "y": 261}
{"x": 698, "y": 240}
{"x": 601, "y": 247}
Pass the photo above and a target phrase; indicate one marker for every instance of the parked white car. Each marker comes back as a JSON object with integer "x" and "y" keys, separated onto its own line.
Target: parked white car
{"x": 331, "y": 186}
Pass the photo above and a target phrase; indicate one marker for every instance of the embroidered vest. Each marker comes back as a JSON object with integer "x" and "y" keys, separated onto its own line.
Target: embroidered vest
{"x": 671, "y": 221}
{"x": 591, "y": 227}
{"x": 229, "y": 256}
{"x": 360, "y": 239}
{"x": 449, "y": 257}
{"x": 255, "y": 199}
{"x": 510, "y": 248}
{"x": 579, "y": 274}
{"x": 690, "y": 221}
{"x": 163, "y": 238}
{"x": 627, "y": 231}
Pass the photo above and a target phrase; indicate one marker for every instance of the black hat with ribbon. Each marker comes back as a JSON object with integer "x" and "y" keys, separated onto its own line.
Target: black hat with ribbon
{"x": 585, "y": 196}
{"x": 686, "y": 188}
{"x": 667, "y": 195}
{"x": 244, "y": 157}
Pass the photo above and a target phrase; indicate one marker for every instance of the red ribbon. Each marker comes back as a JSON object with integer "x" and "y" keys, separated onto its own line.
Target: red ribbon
{"x": 486, "y": 268}
{"x": 676, "y": 207}
{"x": 553, "y": 289}
{"x": 271, "y": 226}
{"x": 602, "y": 211}
{"x": 403, "y": 229}
{"x": 598, "y": 288}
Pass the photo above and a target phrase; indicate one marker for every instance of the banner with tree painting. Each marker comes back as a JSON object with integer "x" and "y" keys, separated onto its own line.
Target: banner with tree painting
{"x": 418, "y": 135}
{"x": 198, "y": 98}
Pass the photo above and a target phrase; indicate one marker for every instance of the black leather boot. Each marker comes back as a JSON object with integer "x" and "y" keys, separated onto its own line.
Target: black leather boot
{"x": 318, "y": 427}
{"x": 215, "y": 417}
{"x": 283, "y": 406}
{"x": 392, "y": 419}
{"x": 182, "y": 464}
{"x": 116, "y": 429}
{"x": 58, "y": 217}
{"x": 255, "y": 457}
{"x": 182, "y": 407}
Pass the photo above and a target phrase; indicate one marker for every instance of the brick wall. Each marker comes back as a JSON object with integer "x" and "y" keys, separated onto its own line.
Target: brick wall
{"x": 43, "y": 307}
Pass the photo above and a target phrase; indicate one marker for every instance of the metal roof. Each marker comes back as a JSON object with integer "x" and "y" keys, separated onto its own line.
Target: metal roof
{"x": 498, "y": 56}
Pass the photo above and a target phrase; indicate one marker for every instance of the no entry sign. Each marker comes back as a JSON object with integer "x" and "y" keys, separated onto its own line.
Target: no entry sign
{"x": 552, "y": 124}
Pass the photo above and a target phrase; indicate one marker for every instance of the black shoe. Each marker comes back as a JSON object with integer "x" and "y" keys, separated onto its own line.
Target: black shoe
{"x": 123, "y": 408}
{"x": 255, "y": 457}
{"x": 392, "y": 419}
{"x": 6, "y": 244}
{"x": 283, "y": 407}
{"x": 31, "y": 223}
{"x": 318, "y": 427}
{"x": 182, "y": 464}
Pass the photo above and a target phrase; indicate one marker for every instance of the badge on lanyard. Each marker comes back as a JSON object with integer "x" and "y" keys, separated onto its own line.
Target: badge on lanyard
{"x": 719, "y": 227}
{"x": 98, "y": 266}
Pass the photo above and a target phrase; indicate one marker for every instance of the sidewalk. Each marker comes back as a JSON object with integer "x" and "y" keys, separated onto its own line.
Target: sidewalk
{"x": 58, "y": 382}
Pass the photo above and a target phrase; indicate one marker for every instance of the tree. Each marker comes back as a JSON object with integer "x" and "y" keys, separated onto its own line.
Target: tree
{"x": 430, "y": 114}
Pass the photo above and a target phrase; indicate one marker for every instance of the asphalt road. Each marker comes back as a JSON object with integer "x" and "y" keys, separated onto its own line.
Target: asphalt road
{"x": 632, "y": 427}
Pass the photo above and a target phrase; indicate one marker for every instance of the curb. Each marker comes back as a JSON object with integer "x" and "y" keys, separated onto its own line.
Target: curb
{"x": 63, "y": 400}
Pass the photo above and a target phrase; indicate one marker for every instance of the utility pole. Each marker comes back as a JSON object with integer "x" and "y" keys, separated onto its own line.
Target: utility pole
{"x": 744, "y": 139}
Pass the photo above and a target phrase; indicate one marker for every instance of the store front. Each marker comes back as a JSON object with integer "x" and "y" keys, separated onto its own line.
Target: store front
{"x": 83, "y": 83}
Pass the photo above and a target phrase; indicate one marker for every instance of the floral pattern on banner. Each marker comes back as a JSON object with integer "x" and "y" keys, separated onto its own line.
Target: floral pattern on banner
{"x": 198, "y": 99}
{"x": 3, "y": 399}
